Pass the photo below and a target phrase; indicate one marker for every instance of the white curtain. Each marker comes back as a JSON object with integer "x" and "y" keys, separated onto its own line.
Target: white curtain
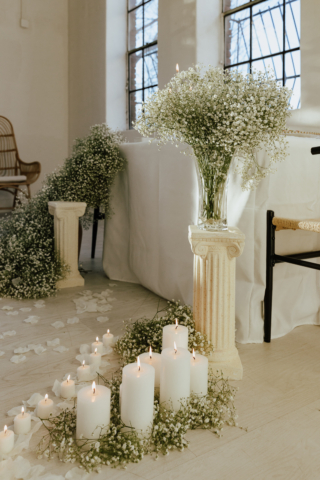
{"x": 155, "y": 200}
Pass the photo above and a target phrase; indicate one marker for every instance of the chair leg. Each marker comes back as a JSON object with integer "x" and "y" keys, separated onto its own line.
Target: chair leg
{"x": 94, "y": 231}
{"x": 14, "y": 198}
{"x": 269, "y": 276}
{"x": 29, "y": 191}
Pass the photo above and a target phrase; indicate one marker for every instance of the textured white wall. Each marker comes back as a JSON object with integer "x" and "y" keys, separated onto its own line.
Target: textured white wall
{"x": 34, "y": 80}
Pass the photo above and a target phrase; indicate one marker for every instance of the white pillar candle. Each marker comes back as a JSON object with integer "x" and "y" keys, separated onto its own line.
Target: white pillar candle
{"x": 84, "y": 372}
{"x": 198, "y": 374}
{"x": 68, "y": 388}
{"x": 108, "y": 339}
{"x": 6, "y": 440}
{"x": 95, "y": 359}
{"x": 153, "y": 359}
{"x": 22, "y": 422}
{"x": 45, "y": 407}
{"x": 137, "y": 395}
{"x": 175, "y": 333}
{"x": 120, "y": 396}
{"x": 175, "y": 376}
{"x": 93, "y": 411}
{"x": 97, "y": 345}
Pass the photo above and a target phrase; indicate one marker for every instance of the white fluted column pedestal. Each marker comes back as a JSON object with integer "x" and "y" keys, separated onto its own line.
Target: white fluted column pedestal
{"x": 66, "y": 238}
{"x": 214, "y": 271}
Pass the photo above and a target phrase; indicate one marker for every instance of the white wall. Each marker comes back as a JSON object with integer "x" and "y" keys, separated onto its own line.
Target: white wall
{"x": 34, "y": 80}
{"x": 87, "y": 66}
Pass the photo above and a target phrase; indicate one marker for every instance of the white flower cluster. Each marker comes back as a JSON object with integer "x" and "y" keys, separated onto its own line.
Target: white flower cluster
{"x": 221, "y": 115}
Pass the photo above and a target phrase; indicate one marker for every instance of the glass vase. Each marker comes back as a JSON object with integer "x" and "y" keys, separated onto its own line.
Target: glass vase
{"x": 213, "y": 189}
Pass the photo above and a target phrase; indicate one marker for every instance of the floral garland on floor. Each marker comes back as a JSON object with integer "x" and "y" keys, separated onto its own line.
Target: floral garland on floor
{"x": 29, "y": 266}
{"x": 118, "y": 446}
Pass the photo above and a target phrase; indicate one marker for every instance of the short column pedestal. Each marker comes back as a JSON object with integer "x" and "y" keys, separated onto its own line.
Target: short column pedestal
{"x": 214, "y": 270}
{"x": 66, "y": 237}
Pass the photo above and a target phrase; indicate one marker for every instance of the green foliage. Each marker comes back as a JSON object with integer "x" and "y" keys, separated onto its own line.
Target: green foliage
{"x": 29, "y": 267}
{"x": 143, "y": 333}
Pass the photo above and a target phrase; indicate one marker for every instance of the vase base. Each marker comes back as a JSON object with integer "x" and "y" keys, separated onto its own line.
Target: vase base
{"x": 213, "y": 225}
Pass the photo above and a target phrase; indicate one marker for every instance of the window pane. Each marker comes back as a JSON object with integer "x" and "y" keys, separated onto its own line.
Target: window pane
{"x": 149, "y": 91}
{"x": 151, "y": 21}
{"x": 272, "y": 63}
{"x": 237, "y": 37}
{"x": 136, "y": 28}
{"x": 230, "y": 4}
{"x": 151, "y": 66}
{"x": 292, "y": 24}
{"x": 134, "y": 3}
{"x": 267, "y": 28}
{"x": 136, "y": 70}
{"x": 245, "y": 68}
{"x": 295, "y": 85}
{"x": 135, "y": 101}
{"x": 293, "y": 64}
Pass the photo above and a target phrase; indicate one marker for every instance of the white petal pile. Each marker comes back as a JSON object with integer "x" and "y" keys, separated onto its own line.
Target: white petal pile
{"x": 13, "y": 312}
{"x": 32, "y": 319}
{"x": 90, "y": 303}
{"x": 25, "y": 309}
{"x": 10, "y": 333}
{"x": 53, "y": 343}
{"x": 39, "y": 304}
{"x": 102, "y": 319}
{"x": 21, "y": 350}
{"x": 57, "y": 324}
{"x": 73, "y": 320}
{"x": 18, "y": 358}
{"x": 61, "y": 349}
{"x": 7, "y": 307}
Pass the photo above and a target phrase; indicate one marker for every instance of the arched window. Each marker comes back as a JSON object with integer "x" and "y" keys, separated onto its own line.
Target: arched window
{"x": 265, "y": 33}
{"x": 142, "y": 53}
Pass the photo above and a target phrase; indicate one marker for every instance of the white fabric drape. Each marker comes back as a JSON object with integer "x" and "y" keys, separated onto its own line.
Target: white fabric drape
{"x": 155, "y": 200}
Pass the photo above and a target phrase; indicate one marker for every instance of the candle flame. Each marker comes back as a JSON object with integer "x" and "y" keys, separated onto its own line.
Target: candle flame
{"x": 95, "y": 351}
{"x": 138, "y": 362}
{"x": 108, "y": 332}
{"x": 177, "y": 67}
{"x": 68, "y": 378}
{"x": 175, "y": 347}
{"x": 93, "y": 387}
{"x": 46, "y": 397}
{"x": 83, "y": 363}
{"x": 150, "y": 352}
{"x": 97, "y": 339}
{"x": 193, "y": 354}
{"x": 5, "y": 429}
{"x": 22, "y": 410}
{"x": 177, "y": 323}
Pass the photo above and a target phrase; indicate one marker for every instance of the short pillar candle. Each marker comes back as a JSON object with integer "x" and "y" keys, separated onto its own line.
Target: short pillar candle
{"x": 198, "y": 374}
{"x": 95, "y": 359}
{"x": 22, "y": 422}
{"x": 68, "y": 388}
{"x": 6, "y": 440}
{"x": 84, "y": 372}
{"x": 137, "y": 395}
{"x": 175, "y": 333}
{"x": 107, "y": 339}
{"x": 45, "y": 407}
{"x": 175, "y": 376}
{"x": 93, "y": 411}
{"x": 97, "y": 345}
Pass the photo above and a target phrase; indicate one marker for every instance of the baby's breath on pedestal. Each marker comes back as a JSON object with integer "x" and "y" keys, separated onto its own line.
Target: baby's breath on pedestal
{"x": 143, "y": 333}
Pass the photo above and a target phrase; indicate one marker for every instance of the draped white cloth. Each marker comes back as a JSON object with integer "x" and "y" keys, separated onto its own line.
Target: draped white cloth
{"x": 155, "y": 200}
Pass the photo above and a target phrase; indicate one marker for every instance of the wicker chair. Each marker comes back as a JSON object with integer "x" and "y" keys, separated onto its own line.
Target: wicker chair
{"x": 14, "y": 173}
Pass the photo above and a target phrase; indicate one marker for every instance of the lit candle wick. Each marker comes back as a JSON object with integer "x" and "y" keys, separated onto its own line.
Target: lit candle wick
{"x": 83, "y": 363}
{"x": 193, "y": 354}
{"x": 175, "y": 347}
{"x": 177, "y": 67}
{"x": 5, "y": 429}
{"x": 22, "y": 411}
{"x": 97, "y": 339}
{"x": 138, "y": 362}
{"x": 150, "y": 352}
{"x": 108, "y": 332}
{"x": 68, "y": 378}
{"x": 177, "y": 324}
{"x": 95, "y": 351}
{"x": 46, "y": 397}
{"x": 93, "y": 388}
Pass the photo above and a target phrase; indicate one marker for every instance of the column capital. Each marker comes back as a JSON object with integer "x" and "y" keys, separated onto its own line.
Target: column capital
{"x": 203, "y": 241}
{"x": 62, "y": 209}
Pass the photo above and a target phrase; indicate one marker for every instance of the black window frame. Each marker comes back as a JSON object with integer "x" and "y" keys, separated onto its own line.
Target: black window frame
{"x": 135, "y": 50}
{"x": 249, "y": 5}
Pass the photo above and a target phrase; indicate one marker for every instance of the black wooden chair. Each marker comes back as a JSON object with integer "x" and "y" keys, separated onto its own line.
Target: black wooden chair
{"x": 275, "y": 224}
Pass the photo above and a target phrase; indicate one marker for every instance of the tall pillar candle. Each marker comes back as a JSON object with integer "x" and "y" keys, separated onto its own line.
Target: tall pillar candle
{"x": 93, "y": 411}
{"x": 153, "y": 359}
{"x": 6, "y": 440}
{"x": 175, "y": 333}
{"x": 175, "y": 376}
{"x": 137, "y": 395}
{"x": 198, "y": 374}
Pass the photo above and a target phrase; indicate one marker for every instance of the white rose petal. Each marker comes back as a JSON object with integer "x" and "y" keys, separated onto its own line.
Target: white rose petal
{"x": 57, "y": 324}
{"x": 18, "y": 359}
{"x": 53, "y": 343}
{"x": 73, "y": 320}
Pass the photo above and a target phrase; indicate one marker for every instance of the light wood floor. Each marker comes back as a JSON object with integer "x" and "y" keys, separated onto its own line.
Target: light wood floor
{"x": 278, "y": 399}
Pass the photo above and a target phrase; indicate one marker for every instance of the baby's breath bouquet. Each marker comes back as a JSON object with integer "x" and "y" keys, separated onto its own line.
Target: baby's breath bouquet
{"x": 221, "y": 115}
